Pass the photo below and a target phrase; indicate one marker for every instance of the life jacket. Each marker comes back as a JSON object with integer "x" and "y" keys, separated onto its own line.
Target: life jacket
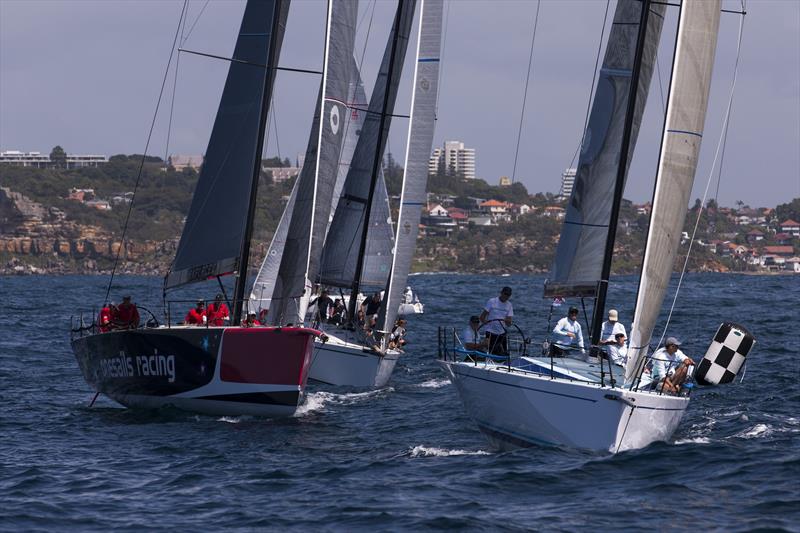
{"x": 195, "y": 317}
{"x": 127, "y": 315}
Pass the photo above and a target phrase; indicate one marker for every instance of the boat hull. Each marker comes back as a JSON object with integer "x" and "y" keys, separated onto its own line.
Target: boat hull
{"x": 516, "y": 409}
{"x": 342, "y": 363}
{"x": 218, "y": 371}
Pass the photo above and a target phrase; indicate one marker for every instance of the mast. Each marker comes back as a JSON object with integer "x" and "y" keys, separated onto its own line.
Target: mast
{"x": 375, "y": 167}
{"x": 600, "y": 302}
{"x": 269, "y": 76}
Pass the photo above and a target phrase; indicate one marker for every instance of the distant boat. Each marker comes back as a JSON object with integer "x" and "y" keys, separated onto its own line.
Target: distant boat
{"x": 524, "y": 399}
{"x": 227, "y": 370}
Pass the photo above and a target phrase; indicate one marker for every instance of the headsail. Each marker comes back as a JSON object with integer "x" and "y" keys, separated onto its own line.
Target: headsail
{"x": 680, "y": 149}
{"x": 577, "y": 268}
{"x": 341, "y": 259}
{"x": 420, "y": 141}
{"x": 210, "y": 244}
{"x": 300, "y": 259}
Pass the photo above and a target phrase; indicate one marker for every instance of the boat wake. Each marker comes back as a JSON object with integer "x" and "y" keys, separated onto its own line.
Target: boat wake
{"x": 230, "y": 419}
{"x": 317, "y": 401}
{"x": 435, "y": 383}
{"x": 425, "y": 451}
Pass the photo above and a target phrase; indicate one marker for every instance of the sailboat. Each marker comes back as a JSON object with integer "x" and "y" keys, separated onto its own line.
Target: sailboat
{"x": 356, "y": 256}
{"x": 588, "y": 403}
{"x": 230, "y": 370}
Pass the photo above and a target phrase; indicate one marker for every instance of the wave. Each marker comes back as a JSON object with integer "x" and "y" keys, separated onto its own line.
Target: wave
{"x": 229, "y": 419}
{"x": 435, "y": 383}
{"x": 317, "y": 401}
{"x": 425, "y": 451}
{"x": 693, "y": 440}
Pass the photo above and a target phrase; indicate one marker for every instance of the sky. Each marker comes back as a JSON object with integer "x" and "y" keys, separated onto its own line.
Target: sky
{"x": 86, "y": 75}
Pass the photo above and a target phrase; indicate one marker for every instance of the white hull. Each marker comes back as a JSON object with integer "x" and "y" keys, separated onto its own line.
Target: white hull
{"x": 411, "y": 309}
{"x": 338, "y": 362}
{"x": 521, "y": 408}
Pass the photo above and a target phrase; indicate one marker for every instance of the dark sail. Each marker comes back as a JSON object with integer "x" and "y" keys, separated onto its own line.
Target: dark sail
{"x": 214, "y": 231}
{"x": 577, "y": 268}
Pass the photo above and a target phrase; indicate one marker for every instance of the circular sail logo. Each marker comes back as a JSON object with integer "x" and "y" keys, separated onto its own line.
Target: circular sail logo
{"x": 334, "y": 119}
{"x": 407, "y": 227}
{"x": 424, "y": 84}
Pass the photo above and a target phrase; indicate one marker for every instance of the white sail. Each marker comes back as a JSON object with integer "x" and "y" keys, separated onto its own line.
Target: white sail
{"x": 680, "y": 148}
{"x": 420, "y": 140}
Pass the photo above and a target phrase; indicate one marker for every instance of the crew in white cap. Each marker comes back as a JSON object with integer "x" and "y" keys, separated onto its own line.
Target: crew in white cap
{"x": 608, "y": 333}
{"x": 670, "y": 367}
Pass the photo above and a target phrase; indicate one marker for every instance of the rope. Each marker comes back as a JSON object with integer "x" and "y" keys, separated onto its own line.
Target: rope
{"x": 146, "y": 147}
{"x": 720, "y": 146}
{"x": 525, "y": 93}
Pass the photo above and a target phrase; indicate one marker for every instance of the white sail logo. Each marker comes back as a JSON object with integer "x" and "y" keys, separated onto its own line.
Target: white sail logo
{"x": 334, "y": 119}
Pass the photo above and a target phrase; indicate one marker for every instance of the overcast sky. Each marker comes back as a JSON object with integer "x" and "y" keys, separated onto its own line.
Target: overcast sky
{"x": 86, "y": 75}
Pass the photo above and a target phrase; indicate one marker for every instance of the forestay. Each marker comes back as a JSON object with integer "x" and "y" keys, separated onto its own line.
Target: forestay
{"x": 577, "y": 268}
{"x": 341, "y": 257}
{"x": 303, "y": 248}
{"x": 214, "y": 231}
{"x": 420, "y": 141}
{"x": 680, "y": 149}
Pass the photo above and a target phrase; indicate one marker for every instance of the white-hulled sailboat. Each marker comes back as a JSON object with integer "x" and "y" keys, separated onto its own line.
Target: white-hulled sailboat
{"x": 524, "y": 400}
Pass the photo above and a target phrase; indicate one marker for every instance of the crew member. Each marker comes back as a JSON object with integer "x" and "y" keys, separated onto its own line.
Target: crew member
{"x": 217, "y": 312}
{"x": 497, "y": 312}
{"x": 610, "y": 328}
{"x": 104, "y": 320}
{"x": 397, "y": 336}
{"x": 197, "y": 316}
{"x": 618, "y": 352}
{"x": 472, "y": 338}
{"x": 251, "y": 321}
{"x": 324, "y": 303}
{"x": 670, "y": 367}
{"x": 568, "y": 333}
{"x": 369, "y": 310}
{"x": 127, "y": 315}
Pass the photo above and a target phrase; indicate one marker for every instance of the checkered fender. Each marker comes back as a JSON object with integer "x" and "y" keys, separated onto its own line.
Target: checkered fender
{"x": 726, "y": 355}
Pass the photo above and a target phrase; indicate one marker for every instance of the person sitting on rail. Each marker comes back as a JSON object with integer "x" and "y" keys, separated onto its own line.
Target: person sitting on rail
{"x": 217, "y": 312}
{"x": 127, "y": 315}
{"x": 397, "y": 337}
{"x": 618, "y": 352}
{"x": 106, "y": 317}
{"x": 670, "y": 367}
{"x": 568, "y": 334}
{"x": 472, "y": 338}
{"x": 610, "y": 328}
{"x": 197, "y": 316}
{"x": 251, "y": 321}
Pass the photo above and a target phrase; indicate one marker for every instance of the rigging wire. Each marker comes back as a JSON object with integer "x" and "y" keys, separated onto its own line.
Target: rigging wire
{"x": 525, "y": 93}
{"x": 185, "y": 38}
{"x": 720, "y": 148}
{"x": 172, "y": 102}
{"x": 146, "y": 147}
{"x": 591, "y": 90}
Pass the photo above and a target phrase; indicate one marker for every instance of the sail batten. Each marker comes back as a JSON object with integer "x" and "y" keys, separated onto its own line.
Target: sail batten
{"x": 680, "y": 149}
{"x": 419, "y": 143}
{"x": 585, "y": 233}
{"x": 211, "y": 244}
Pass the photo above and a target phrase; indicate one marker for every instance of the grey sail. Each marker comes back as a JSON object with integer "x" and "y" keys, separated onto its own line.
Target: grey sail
{"x": 340, "y": 260}
{"x": 577, "y": 268}
{"x": 420, "y": 141}
{"x": 215, "y": 227}
{"x": 264, "y": 285}
{"x": 680, "y": 150}
{"x": 310, "y": 217}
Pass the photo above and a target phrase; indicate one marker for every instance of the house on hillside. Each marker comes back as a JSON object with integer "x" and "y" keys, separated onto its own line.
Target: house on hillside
{"x": 791, "y": 227}
{"x": 436, "y": 210}
{"x": 754, "y": 235}
{"x": 182, "y": 161}
{"x": 782, "y": 238}
{"x": 781, "y": 251}
{"x": 459, "y": 216}
{"x": 554, "y": 211}
{"x": 495, "y": 209}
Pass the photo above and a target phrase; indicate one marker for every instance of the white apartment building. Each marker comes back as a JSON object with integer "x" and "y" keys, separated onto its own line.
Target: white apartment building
{"x": 40, "y": 160}
{"x": 453, "y": 158}
{"x": 567, "y": 182}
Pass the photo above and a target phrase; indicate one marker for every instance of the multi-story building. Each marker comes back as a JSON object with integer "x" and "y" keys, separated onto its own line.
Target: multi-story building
{"x": 182, "y": 161}
{"x": 453, "y": 159}
{"x": 280, "y": 174}
{"x": 40, "y": 160}
{"x": 567, "y": 182}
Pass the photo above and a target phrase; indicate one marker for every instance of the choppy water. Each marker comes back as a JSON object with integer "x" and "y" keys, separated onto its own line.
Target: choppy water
{"x": 405, "y": 456}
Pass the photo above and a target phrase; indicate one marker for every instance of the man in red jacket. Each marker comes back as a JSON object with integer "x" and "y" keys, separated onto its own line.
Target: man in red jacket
{"x": 217, "y": 312}
{"x": 127, "y": 315}
{"x": 196, "y": 316}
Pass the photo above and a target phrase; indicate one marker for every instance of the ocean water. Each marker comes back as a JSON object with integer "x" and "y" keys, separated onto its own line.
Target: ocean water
{"x": 402, "y": 457}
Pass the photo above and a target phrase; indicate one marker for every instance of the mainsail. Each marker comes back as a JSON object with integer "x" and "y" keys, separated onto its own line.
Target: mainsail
{"x": 301, "y": 255}
{"x": 578, "y": 264}
{"x": 264, "y": 285}
{"x": 215, "y": 228}
{"x": 341, "y": 260}
{"x": 680, "y": 149}
{"x": 420, "y": 140}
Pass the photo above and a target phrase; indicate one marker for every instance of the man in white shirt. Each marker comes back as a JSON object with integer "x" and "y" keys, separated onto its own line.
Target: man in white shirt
{"x": 568, "y": 333}
{"x": 610, "y": 328}
{"x": 670, "y": 367}
{"x": 618, "y": 352}
{"x": 471, "y": 337}
{"x": 496, "y": 313}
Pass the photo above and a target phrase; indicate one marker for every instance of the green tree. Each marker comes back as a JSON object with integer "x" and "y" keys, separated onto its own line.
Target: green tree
{"x": 59, "y": 157}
